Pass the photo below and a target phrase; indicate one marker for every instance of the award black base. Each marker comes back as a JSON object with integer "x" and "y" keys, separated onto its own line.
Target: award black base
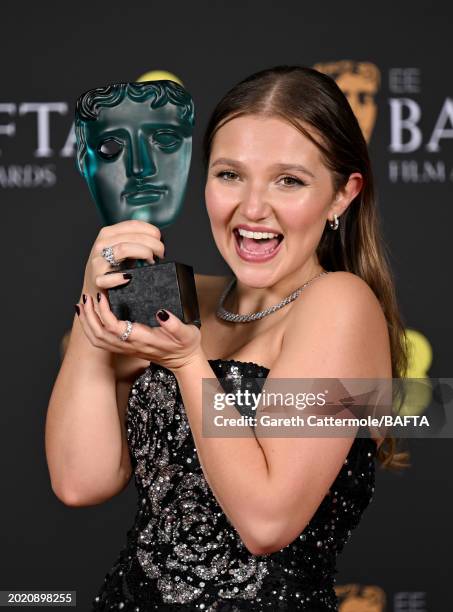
{"x": 168, "y": 285}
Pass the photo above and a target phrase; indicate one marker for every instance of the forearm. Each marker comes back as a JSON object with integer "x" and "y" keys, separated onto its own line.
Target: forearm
{"x": 83, "y": 429}
{"x": 233, "y": 466}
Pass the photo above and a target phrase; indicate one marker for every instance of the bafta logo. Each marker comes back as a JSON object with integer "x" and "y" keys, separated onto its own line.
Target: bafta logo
{"x": 359, "y": 81}
{"x": 358, "y": 598}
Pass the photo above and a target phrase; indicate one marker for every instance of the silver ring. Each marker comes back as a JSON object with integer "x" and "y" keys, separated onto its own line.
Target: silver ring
{"x": 125, "y": 335}
{"x": 107, "y": 253}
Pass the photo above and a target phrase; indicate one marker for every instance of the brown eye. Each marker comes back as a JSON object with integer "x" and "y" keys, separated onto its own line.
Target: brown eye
{"x": 110, "y": 148}
{"x": 291, "y": 181}
{"x": 227, "y": 175}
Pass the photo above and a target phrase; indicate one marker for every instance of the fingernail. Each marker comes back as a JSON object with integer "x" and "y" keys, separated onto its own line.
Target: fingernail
{"x": 162, "y": 314}
{"x": 77, "y": 309}
{"x": 98, "y": 296}
{"x": 127, "y": 275}
{"x": 84, "y": 298}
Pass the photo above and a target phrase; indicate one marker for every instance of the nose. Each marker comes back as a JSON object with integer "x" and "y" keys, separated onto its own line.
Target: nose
{"x": 141, "y": 162}
{"x": 254, "y": 203}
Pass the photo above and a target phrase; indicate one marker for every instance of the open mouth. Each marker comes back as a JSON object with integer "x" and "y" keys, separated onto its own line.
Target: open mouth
{"x": 257, "y": 247}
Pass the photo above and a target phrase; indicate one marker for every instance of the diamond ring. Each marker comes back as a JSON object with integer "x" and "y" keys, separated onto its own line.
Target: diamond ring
{"x": 125, "y": 335}
{"x": 107, "y": 253}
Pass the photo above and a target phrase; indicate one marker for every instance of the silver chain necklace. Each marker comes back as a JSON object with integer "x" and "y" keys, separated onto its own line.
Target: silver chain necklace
{"x": 226, "y": 315}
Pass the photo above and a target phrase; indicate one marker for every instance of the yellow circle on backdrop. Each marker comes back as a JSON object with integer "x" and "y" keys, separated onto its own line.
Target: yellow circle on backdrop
{"x": 420, "y": 354}
{"x": 159, "y": 75}
{"x": 419, "y": 389}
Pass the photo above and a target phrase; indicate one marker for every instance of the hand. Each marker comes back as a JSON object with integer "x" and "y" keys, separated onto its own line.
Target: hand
{"x": 128, "y": 239}
{"x": 173, "y": 344}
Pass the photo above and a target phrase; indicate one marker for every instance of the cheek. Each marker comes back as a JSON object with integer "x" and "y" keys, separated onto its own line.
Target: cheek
{"x": 297, "y": 218}
{"x": 220, "y": 202}
{"x": 306, "y": 212}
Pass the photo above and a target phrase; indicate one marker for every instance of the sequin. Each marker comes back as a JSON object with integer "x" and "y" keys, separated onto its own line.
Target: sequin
{"x": 183, "y": 554}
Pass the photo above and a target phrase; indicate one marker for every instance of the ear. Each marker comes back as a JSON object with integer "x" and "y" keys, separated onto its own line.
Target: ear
{"x": 347, "y": 193}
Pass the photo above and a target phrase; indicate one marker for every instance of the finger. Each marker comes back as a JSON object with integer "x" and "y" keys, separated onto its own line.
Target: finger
{"x": 155, "y": 244}
{"x": 172, "y": 325}
{"x": 130, "y": 225}
{"x": 108, "y": 339}
{"x": 99, "y": 263}
{"x": 124, "y": 250}
{"x": 142, "y": 337}
{"x": 115, "y": 279}
{"x": 87, "y": 328}
{"x": 110, "y": 321}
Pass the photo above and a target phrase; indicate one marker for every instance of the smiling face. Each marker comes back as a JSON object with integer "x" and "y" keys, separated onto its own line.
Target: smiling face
{"x": 263, "y": 172}
{"x": 137, "y": 162}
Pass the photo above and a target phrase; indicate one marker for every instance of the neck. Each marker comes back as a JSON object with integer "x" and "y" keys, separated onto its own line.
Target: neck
{"x": 244, "y": 299}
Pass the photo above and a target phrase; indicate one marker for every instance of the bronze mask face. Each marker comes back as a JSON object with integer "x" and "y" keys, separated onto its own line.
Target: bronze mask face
{"x": 134, "y": 145}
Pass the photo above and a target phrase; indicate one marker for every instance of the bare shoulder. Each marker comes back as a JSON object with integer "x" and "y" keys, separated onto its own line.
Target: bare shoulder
{"x": 340, "y": 311}
{"x": 340, "y": 295}
{"x": 338, "y": 329}
{"x": 342, "y": 280}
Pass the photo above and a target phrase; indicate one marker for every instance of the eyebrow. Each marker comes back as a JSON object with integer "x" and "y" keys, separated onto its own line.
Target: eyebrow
{"x": 279, "y": 166}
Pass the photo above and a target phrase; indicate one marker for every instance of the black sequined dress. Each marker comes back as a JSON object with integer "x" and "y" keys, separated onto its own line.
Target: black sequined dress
{"x": 182, "y": 553}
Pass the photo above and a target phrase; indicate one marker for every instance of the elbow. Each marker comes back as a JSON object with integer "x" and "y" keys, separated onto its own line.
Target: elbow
{"x": 72, "y": 501}
{"x": 271, "y": 537}
{"x": 260, "y": 547}
{"x": 76, "y": 499}
{"x": 70, "y": 497}
{"x": 263, "y": 539}
{"x": 79, "y": 497}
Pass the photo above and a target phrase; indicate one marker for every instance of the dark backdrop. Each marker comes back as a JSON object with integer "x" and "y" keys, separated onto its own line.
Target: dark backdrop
{"x": 50, "y": 54}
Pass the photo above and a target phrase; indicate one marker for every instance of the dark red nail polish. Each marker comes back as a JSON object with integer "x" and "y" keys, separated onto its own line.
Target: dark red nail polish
{"x": 127, "y": 275}
{"x": 84, "y": 298}
{"x": 98, "y": 296}
{"x": 77, "y": 309}
{"x": 162, "y": 314}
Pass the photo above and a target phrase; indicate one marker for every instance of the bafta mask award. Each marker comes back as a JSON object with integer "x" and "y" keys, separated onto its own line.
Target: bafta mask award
{"x": 134, "y": 145}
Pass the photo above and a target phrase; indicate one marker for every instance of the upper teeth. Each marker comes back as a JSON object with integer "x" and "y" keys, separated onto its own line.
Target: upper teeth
{"x": 256, "y": 235}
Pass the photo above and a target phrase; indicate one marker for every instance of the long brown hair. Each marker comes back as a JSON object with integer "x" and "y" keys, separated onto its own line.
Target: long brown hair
{"x": 302, "y": 95}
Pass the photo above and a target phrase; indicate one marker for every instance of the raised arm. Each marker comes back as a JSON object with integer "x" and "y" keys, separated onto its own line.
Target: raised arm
{"x": 85, "y": 434}
{"x": 85, "y": 426}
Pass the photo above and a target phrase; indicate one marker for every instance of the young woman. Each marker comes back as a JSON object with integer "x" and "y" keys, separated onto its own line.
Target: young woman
{"x": 238, "y": 523}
